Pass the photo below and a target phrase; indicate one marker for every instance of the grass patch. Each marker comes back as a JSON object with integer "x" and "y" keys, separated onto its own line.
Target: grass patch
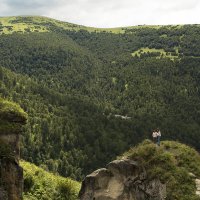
{"x": 12, "y": 24}
{"x": 159, "y": 53}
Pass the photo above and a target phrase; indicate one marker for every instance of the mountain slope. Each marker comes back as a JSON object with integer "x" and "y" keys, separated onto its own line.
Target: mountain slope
{"x": 78, "y": 85}
{"x": 21, "y": 24}
{"x": 60, "y": 132}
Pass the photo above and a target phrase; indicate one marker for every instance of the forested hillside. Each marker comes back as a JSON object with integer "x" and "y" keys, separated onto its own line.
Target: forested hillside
{"x": 76, "y": 82}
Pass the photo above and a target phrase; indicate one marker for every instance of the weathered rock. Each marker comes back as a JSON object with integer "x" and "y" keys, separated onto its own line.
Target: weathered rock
{"x": 11, "y": 174}
{"x": 11, "y": 180}
{"x": 122, "y": 180}
{"x": 3, "y": 194}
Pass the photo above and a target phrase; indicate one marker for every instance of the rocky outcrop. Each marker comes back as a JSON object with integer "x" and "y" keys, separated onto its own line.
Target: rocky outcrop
{"x": 11, "y": 174}
{"x": 121, "y": 180}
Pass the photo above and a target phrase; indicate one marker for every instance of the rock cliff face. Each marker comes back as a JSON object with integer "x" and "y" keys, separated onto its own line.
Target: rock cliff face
{"x": 11, "y": 174}
{"x": 121, "y": 180}
{"x": 147, "y": 172}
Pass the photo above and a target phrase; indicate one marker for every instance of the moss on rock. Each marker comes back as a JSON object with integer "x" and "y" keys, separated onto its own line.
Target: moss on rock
{"x": 11, "y": 112}
{"x": 11, "y": 117}
{"x": 172, "y": 164}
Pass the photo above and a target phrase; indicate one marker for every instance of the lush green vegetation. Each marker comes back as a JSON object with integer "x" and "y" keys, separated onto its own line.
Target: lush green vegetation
{"x": 39, "y": 184}
{"x": 73, "y": 82}
{"x": 172, "y": 163}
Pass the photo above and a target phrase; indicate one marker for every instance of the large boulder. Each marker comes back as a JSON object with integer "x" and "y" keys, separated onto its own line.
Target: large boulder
{"x": 121, "y": 180}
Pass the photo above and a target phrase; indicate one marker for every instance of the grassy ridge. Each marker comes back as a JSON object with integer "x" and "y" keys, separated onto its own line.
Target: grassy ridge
{"x": 9, "y": 25}
{"x": 24, "y": 24}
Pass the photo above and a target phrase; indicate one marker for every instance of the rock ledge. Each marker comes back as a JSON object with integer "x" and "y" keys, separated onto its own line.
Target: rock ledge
{"x": 121, "y": 180}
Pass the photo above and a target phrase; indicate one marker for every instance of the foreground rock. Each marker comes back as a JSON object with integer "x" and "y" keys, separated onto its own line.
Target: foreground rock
{"x": 11, "y": 174}
{"x": 122, "y": 180}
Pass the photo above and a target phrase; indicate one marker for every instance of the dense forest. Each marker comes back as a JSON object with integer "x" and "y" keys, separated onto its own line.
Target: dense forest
{"x": 91, "y": 94}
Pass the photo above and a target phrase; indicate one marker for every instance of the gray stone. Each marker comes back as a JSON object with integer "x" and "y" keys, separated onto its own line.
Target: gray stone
{"x": 122, "y": 180}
